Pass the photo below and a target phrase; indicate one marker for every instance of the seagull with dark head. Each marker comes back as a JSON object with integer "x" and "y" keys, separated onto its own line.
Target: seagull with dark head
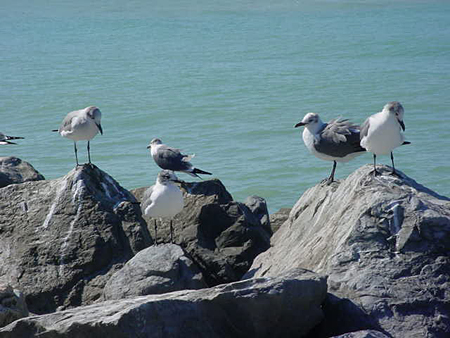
{"x": 81, "y": 125}
{"x": 163, "y": 199}
{"x": 6, "y": 139}
{"x": 172, "y": 159}
{"x": 382, "y": 132}
{"x": 337, "y": 140}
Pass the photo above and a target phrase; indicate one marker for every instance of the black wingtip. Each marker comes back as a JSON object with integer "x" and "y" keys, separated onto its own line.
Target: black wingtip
{"x": 198, "y": 171}
{"x": 54, "y": 130}
{"x": 406, "y": 142}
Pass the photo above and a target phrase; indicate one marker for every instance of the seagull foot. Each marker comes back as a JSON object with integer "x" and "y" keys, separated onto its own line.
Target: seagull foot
{"x": 375, "y": 173}
{"x": 327, "y": 181}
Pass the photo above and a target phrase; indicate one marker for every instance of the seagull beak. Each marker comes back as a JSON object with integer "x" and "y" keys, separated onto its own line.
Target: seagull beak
{"x": 402, "y": 125}
{"x": 300, "y": 124}
{"x": 99, "y": 126}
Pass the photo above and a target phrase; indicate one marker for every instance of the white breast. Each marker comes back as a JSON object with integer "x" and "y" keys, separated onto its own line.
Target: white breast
{"x": 167, "y": 201}
{"x": 383, "y": 135}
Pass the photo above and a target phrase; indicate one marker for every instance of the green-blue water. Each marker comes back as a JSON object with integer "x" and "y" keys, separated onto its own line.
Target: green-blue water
{"x": 227, "y": 81}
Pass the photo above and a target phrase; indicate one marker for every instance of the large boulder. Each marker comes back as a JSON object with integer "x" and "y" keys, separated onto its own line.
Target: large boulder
{"x": 60, "y": 240}
{"x": 220, "y": 235}
{"x": 284, "y": 307}
{"x": 154, "y": 270}
{"x": 14, "y": 170}
{"x": 384, "y": 242}
{"x": 12, "y": 305}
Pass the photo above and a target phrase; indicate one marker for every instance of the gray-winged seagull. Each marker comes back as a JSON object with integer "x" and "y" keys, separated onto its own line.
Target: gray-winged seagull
{"x": 172, "y": 159}
{"x": 163, "y": 199}
{"x": 81, "y": 125}
{"x": 5, "y": 139}
{"x": 337, "y": 140}
{"x": 382, "y": 132}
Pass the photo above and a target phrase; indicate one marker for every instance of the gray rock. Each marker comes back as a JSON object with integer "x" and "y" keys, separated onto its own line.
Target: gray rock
{"x": 12, "y": 305}
{"x": 14, "y": 170}
{"x": 384, "y": 243}
{"x": 220, "y": 235}
{"x": 286, "y": 306}
{"x": 154, "y": 270}
{"x": 363, "y": 334}
{"x": 278, "y": 218}
{"x": 258, "y": 207}
{"x": 60, "y": 240}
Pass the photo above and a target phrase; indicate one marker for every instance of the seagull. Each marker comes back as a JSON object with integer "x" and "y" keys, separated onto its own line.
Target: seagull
{"x": 337, "y": 140}
{"x": 5, "y": 139}
{"x": 172, "y": 159}
{"x": 163, "y": 199}
{"x": 81, "y": 125}
{"x": 382, "y": 132}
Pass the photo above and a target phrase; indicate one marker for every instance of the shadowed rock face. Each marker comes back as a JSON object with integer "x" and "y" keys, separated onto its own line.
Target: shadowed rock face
{"x": 384, "y": 242}
{"x": 282, "y": 307}
{"x": 61, "y": 240}
{"x": 12, "y": 305}
{"x": 220, "y": 235}
{"x": 14, "y": 170}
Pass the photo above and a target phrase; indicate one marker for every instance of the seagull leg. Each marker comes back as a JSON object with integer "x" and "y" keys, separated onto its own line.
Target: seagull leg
{"x": 330, "y": 179}
{"x": 393, "y": 172}
{"x": 375, "y": 171}
{"x": 76, "y": 151}
{"x": 156, "y": 232}
{"x": 89, "y": 152}
{"x": 171, "y": 231}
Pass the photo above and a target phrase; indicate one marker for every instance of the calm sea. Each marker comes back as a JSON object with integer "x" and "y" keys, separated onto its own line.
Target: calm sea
{"x": 226, "y": 80}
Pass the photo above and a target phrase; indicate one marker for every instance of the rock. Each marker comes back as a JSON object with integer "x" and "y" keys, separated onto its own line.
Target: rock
{"x": 220, "y": 235}
{"x": 258, "y": 207}
{"x": 14, "y": 170}
{"x": 384, "y": 242}
{"x": 154, "y": 270}
{"x": 363, "y": 334}
{"x": 285, "y": 306}
{"x": 60, "y": 240}
{"x": 278, "y": 218}
{"x": 12, "y": 305}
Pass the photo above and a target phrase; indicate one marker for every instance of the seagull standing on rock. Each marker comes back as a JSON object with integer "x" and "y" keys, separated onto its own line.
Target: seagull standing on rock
{"x": 163, "y": 200}
{"x": 382, "y": 132}
{"x": 172, "y": 159}
{"x": 81, "y": 125}
{"x": 337, "y": 140}
{"x": 5, "y": 139}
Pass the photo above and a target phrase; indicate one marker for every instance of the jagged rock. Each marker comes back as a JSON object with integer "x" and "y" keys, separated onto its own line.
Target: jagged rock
{"x": 14, "y": 170}
{"x": 284, "y": 307}
{"x": 363, "y": 334}
{"x": 12, "y": 305}
{"x": 258, "y": 207}
{"x": 60, "y": 240}
{"x": 154, "y": 270}
{"x": 220, "y": 235}
{"x": 278, "y": 218}
{"x": 384, "y": 242}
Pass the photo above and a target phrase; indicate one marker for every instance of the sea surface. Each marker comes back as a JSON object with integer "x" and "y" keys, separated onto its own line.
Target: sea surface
{"x": 226, "y": 80}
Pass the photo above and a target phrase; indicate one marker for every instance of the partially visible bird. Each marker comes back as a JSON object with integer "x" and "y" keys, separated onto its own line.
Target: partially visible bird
{"x": 172, "y": 159}
{"x": 81, "y": 125}
{"x": 382, "y": 132}
{"x": 5, "y": 139}
{"x": 163, "y": 200}
{"x": 337, "y": 140}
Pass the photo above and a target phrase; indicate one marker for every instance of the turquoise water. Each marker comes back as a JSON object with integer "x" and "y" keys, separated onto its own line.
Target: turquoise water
{"x": 226, "y": 81}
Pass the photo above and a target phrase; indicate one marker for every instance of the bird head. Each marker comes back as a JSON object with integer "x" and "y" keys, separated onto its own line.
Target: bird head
{"x": 395, "y": 109}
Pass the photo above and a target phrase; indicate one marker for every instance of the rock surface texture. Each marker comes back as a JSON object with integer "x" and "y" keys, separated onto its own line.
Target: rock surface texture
{"x": 60, "y": 240}
{"x": 154, "y": 270}
{"x": 14, "y": 170}
{"x": 284, "y": 307}
{"x": 384, "y": 242}
{"x": 12, "y": 305}
{"x": 220, "y": 235}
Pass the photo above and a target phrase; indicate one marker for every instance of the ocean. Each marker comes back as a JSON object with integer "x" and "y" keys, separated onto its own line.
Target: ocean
{"x": 226, "y": 81}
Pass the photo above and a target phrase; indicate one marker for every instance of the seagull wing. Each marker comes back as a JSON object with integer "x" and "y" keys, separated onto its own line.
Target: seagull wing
{"x": 338, "y": 139}
{"x": 171, "y": 159}
{"x": 147, "y": 199}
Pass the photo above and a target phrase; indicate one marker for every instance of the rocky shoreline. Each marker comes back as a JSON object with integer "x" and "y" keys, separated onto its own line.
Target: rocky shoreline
{"x": 362, "y": 257}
